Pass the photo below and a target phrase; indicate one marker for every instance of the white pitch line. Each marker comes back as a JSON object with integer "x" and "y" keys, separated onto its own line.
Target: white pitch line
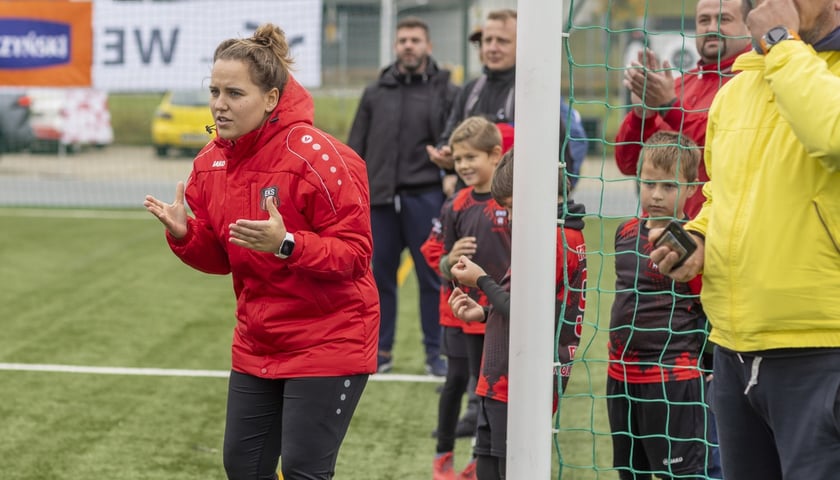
{"x": 75, "y": 213}
{"x": 156, "y": 372}
{"x": 176, "y": 372}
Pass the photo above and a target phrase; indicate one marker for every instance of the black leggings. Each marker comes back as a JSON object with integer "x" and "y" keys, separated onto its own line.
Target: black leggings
{"x": 301, "y": 420}
{"x": 449, "y": 404}
{"x": 459, "y": 369}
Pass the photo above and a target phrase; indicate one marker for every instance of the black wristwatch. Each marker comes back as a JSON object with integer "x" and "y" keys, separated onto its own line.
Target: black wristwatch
{"x": 287, "y": 247}
{"x": 775, "y": 35}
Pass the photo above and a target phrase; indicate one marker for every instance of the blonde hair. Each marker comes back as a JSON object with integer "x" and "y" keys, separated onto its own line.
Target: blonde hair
{"x": 668, "y": 150}
{"x": 477, "y": 132}
{"x": 266, "y": 53}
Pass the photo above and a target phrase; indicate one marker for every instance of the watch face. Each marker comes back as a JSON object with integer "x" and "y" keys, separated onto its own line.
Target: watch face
{"x": 286, "y": 247}
{"x": 776, "y": 35}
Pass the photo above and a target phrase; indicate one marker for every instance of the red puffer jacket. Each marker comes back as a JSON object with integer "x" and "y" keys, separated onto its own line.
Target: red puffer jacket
{"x": 315, "y": 313}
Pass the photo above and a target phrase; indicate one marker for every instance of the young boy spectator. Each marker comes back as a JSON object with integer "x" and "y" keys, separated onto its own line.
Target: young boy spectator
{"x": 432, "y": 250}
{"x": 490, "y": 447}
{"x": 655, "y": 387}
{"x": 477, "y": 226}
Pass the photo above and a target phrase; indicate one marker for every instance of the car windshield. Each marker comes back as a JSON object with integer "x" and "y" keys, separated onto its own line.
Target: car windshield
{"x": 192, "y": 98}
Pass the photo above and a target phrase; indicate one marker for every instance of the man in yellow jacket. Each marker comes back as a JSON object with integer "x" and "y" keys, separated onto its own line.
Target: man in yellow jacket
{"x": 769, "y": 247}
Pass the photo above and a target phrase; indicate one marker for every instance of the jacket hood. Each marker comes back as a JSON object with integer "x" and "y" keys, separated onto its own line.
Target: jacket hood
{"x": 574, "y": 219}
{"x": 295, "y": 106}
{"x": 391, "y": 76}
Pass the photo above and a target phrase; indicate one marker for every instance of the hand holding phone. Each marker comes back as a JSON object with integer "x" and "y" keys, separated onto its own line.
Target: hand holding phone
{"x": 677, "y": 239}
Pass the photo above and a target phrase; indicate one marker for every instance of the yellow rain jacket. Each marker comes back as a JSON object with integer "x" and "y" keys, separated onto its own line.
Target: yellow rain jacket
{"x": 772, "y": 216}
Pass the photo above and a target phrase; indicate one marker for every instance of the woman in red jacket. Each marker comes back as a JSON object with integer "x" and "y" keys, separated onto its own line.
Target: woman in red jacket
{"x": 284, "y": 208}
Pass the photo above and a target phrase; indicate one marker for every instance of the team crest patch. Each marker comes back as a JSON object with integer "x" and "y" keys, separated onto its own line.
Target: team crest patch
{"x": 269, "y": 192}
{"x": 501, "y": 217}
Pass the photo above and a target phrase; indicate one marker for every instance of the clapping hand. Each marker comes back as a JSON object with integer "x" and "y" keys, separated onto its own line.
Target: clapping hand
{"x": 648, "y": 81}
{"x": 260, "y": 235}
{"x": 172, "y": 215}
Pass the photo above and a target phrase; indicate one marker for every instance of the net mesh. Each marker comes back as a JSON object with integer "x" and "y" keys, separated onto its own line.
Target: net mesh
{"x": 603, "y": 39}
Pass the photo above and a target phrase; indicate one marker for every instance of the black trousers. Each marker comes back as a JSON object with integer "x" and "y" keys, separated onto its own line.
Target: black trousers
{"x": 394, "y": 230}
{"x": 302, "y": 421}
{"x": 778, "y": 413}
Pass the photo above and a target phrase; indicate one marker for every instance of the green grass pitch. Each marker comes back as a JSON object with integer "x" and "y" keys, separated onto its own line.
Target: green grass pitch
{"x": 104, "y": 290}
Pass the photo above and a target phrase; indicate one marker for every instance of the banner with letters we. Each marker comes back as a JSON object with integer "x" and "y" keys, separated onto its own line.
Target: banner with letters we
{"x": 156, "y": 46}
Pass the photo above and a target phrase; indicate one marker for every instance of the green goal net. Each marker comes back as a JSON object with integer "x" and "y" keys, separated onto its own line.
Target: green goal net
{"x": 603, "y": 38}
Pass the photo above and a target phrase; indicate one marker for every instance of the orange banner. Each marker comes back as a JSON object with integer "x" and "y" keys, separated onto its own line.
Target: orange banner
{"x": 46, "y": 44}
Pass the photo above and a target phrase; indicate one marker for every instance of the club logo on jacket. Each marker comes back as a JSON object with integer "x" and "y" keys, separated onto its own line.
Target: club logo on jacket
{"x": 269, "y": 192}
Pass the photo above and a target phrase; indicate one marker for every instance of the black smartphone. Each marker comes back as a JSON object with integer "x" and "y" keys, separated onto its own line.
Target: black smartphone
{"x": 678, "y": 240}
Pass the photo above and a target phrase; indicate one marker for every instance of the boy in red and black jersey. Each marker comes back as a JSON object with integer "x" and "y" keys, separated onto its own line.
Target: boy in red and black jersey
{"x": 656, "y": 327}
{"x": 570, "y": 279}
{"x": 657, "y": 332}
{"x": 483, "y": 227}
{"x": 569, "y": 307}
{"x": 477, "y": 226}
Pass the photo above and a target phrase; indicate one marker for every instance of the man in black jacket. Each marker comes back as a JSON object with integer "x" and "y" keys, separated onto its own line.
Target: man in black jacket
{"x": 491, "y": 94}
{"x": 399, "y": 114}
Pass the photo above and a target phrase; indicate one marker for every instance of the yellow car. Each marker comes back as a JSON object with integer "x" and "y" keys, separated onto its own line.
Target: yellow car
{"x": 181, "y": 122}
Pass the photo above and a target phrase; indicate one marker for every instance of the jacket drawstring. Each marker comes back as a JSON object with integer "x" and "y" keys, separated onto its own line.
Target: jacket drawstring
{"x": 753, "y": 381}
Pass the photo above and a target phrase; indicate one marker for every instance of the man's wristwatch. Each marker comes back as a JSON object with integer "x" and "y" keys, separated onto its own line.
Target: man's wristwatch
{"x": 776, "y": 35}
{"x": 287, "y": 247}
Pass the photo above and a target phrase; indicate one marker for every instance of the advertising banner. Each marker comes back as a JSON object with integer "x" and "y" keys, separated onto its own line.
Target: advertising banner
{"x": 45, "y": 43}
{"x": 156, "y": 46}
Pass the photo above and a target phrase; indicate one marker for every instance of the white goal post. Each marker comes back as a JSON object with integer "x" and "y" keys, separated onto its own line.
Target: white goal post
{"x": 538, "y": 55}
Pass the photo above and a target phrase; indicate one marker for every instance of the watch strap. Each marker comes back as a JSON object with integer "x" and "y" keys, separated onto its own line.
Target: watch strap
{"x": 287, "y": 246}
{"x": 767, "y": 42}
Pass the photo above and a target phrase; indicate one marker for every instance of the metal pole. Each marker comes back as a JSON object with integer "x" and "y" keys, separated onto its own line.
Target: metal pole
{"x": 465, "y": 44}
{"x": 387, "y": 14}
{"x": 539, "y": 41}
{"x": 343, "y": 26}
